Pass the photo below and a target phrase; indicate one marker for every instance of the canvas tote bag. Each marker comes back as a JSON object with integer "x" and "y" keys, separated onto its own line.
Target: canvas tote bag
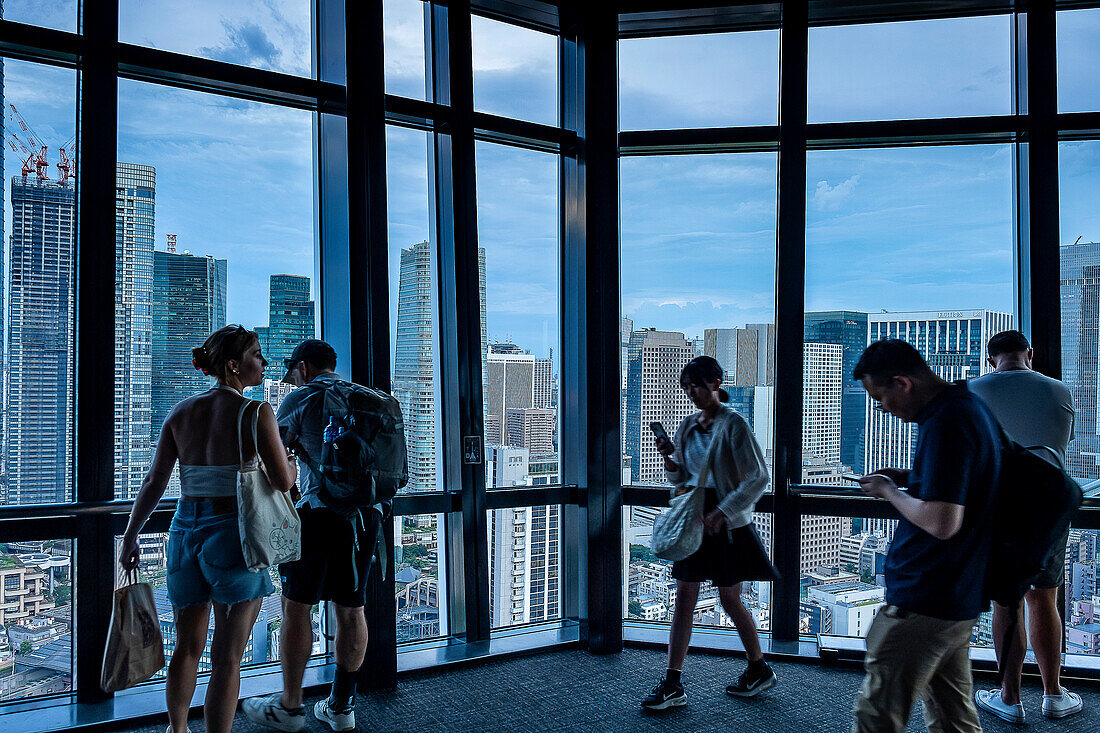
{"x": 678, "y": 531}
{"x": 135, "y": 649}
{"x": 271, "y": 531}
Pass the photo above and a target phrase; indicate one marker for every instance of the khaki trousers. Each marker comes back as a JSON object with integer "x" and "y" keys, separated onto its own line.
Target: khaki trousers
{"x": 910, "y": 655}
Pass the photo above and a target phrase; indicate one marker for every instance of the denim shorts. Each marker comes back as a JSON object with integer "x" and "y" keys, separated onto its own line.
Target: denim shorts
{"x": 205, "y": 562}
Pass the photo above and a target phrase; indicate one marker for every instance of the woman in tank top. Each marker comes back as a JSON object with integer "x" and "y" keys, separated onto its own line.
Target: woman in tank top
{"x": 205, "y": 563}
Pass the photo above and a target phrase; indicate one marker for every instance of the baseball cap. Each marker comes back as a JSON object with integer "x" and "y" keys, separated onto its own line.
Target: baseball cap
{"x": 313, "y": 350}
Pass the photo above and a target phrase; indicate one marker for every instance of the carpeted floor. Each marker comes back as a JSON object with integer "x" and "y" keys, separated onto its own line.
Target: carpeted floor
{"x": 575, "y": 691}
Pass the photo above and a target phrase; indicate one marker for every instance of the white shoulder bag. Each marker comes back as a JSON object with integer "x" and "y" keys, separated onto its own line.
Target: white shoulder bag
{"x": 678, "y": 531}
{"x": 271, "y": 531}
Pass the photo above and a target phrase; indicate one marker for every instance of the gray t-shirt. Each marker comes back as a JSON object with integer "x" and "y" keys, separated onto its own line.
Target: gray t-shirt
{"x": 1032, "y": 408}
{"x": 300, "y": 414}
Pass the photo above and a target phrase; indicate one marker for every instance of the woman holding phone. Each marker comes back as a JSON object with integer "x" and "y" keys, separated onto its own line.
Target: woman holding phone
{"x": 731, "y": 552}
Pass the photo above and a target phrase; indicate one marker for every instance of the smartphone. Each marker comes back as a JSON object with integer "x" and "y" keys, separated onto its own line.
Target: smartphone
{"x": 658, "y": 430}
{"x": 850, "y": 477}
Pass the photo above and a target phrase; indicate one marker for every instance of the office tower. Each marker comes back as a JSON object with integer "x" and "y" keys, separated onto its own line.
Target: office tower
{"x": 737, "y": 350}
{"x": 742, "y": 401}
{"x": 524, "y": 566}
{"x": 531, "y": 428}
{"x": 849, "y": 330}
{"x": 189, "y": 295}
{"x": 765, "y": 350}
{"x": 821, "y": 402}
{"x": 953, "y": 344}
{"x": 1080, "y": 295}
{"x": 290, "y": 321}
{"x": 515, "y": 381}
{"x": 135, "y": 191}
{"x": 414, "y": 373}
{"x": 697, "y": 345}
{"x": 654, "y": 362}
{"x": 39, "y": 378}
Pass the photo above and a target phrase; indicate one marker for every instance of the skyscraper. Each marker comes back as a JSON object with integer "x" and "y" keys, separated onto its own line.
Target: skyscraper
{"x": 290, "y": 321}
{"x": 189, "y": 295}
{"x": 514, "y": 381}
{"x": 39, "y": 378}
{"x": 654, "y": 362}
{"x": 1080, "y": 294}
{"x": 821, "y": 400}
{"x": 849, "y": 330}
{"x": 135, "y": 191}
{"x": 531, "y": 428}
{"x": 738, "y": 351}
{"x": 952, "y": 342}
{"x": 414, "y": 373}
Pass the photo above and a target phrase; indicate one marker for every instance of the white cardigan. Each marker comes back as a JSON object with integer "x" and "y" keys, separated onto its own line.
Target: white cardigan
{"x": 739, "y": 472}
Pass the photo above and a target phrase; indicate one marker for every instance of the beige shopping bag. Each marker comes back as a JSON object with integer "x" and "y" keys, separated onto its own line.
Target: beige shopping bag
{"x": 135, "y": 649}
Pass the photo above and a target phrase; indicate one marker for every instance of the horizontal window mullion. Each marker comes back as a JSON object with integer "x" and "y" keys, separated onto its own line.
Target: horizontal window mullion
{"x": 533, "y": 496}
{"x": 33, "y": 43}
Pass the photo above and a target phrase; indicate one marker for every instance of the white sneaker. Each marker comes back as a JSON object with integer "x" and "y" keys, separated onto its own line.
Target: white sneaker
{"x": 337, "y": 720}
{"x": 991, "y": 702}
{"x": 1060, "y": 706}
{"x": 269, "y": 712}
{"x": 169, "y": 729}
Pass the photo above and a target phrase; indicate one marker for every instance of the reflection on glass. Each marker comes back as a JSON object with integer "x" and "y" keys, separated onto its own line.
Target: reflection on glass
{"x": 57, "y": 14}
{"x": 36, "y": 618}
{"x": 1078, "y": 55}
{"x": 419, "y": 577}
{"x": 199, "y": 248}
{"x": 265, "y": 34}
{"x": 950, "y": 67}
{"x": 1079, "y": 174}
{"x": 911, "y": 243}
{"x": 515, "y": 71}
{"x": 39, "y": 253}
{"x": 517, "y": 194}
{"x": 524, "y": 565}
{"x": 413, "y": 306}
{"x": 405, "y": 47}
{"x": 713, "y": 80}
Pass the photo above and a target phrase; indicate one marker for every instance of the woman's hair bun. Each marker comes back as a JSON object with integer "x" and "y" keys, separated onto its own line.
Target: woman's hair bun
{"x": 200, "y": 359}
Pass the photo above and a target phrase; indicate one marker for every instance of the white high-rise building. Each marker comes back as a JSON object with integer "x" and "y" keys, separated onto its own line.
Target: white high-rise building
{"x": 822, "y": 388}
{"x": 847, "y": 607}
{"x": 653, "y": 394}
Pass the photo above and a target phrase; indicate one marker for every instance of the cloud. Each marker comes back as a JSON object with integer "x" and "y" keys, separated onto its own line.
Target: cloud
{"x": 247, "y": 45}
{"x": 829, "y": 198}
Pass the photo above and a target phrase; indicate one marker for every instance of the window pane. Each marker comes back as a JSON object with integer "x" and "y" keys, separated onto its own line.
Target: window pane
{"x": 273, "y": 35}
{"x": 413, "y": 302}
{"x": 197, "y": 250}
{"x": 36, "y": 617}
{"x": 952, "y": 67}
{"x": 524, "y": 565}
{"x": 698, "y": 274}
{"x": 39, "y": 253}
{"x": 420, "y": 579}
{"x": 1078, "y": 55}
{"x": 57, "y": 14}
{"x": 1079, "y": 174}
{"x": 841, "y": 586}
{"x": 685, "y": 81}
{"x": 517, "y": 195}
{"x": 515, "y": 71}
{"x": 405, "y": 47}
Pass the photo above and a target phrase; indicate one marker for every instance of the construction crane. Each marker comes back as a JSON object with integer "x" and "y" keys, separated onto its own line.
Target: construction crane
{"x": 35, "y": 161}
{"x": 66, "y": 166}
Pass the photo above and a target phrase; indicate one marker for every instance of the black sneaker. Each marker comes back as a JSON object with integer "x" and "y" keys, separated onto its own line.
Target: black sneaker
{"x": 752, "y": 682}
{"x": 665, "y": 695}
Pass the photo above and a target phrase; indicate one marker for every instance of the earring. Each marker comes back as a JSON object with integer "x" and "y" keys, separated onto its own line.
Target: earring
{"x": 236, "y": 371}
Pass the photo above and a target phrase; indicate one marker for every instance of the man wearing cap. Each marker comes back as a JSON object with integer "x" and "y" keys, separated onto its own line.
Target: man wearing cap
{"x": 331, "y": 567}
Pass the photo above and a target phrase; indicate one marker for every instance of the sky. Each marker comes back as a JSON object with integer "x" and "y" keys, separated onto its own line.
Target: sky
{"x": 892, "y": 229}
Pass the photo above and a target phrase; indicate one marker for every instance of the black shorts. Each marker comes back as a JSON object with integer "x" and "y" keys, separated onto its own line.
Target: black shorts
{"x": 727, "y": 558}
{"x": 1054, "y": 574}
{"x": 331, "y": 567}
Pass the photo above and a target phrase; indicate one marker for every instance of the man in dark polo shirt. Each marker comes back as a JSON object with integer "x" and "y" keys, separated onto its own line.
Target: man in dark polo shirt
{"x": 918, "y": 644}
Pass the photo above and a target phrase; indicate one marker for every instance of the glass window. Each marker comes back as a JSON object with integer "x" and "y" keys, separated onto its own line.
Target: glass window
{"x": 40, "y": 300}
{"x": 712, "y": 80}
{"x": 57, "y": 14}
{"x": 214, "y": 202}
{"x": 421, "y": 578}
{"x": 515, "y": 71}
{"x": 524, "y": 565}
{"x": 414, "y": 313}
{"x": 406, "y": 47}
{"x": 517, "y": 196}
{"x": 261, "y": 33}
{"x": 36, "y": 618}
{"x": 909, "y": 243}
{"x": 1079, "y": 174}
{"x": 1078, "y": 89}
{"x": 951, "y": 67}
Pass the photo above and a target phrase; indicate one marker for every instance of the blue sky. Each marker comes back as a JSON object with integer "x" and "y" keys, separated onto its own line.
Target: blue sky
{"x": 895, "y": 229}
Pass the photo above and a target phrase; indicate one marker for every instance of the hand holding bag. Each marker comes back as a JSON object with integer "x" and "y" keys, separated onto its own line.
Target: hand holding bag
{"x": 135, "y": 649}
{"x": 678, "y": 531}
{"x": 271, "y": 531}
